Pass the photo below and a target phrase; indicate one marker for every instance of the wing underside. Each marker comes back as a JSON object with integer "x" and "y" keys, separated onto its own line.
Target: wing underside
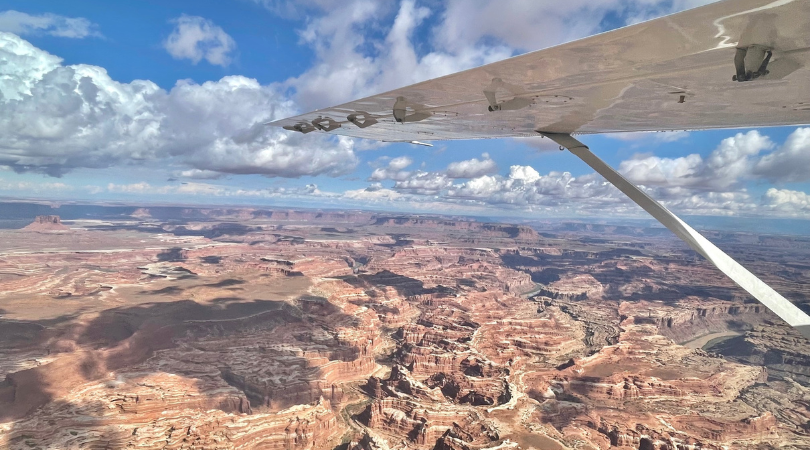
{"x": 736, "y": 63}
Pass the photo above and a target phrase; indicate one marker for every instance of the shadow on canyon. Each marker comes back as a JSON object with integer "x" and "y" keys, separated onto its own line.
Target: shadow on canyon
{"x": 228, "y": 282}
{"x": 405, "y": 286}
{"x": 121, "y": 338}
{"x": 174, "y": 254}
{"x": 546, "y": 269}
{"x": 25, "y": 334}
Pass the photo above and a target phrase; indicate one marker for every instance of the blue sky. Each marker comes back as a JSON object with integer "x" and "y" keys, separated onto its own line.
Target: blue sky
{"x": 157, "y": 102}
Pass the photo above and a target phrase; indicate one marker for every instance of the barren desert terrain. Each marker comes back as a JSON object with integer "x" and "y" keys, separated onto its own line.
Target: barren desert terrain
{"x": 184, "y": 328}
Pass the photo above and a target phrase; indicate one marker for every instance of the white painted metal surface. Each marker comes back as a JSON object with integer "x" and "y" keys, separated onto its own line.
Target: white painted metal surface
{"x": 671, "y": 73}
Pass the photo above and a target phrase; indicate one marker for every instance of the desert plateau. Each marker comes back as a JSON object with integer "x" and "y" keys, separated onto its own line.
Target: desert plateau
{"x": 206, "y": 328}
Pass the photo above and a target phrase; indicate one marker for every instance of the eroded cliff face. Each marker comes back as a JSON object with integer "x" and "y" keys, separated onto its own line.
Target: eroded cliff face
{"x": 786, "y": 355}
{"x": 46, "y": 223}
{"x": 307, "y": 330}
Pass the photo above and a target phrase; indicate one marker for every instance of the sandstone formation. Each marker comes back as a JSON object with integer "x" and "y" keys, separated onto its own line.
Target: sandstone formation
{"x": 46, "y": 223}
{"x": 179, "y": 328}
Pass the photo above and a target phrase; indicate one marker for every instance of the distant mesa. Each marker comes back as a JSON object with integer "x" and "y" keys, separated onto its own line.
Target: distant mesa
{"x": 46, "y": 223}
{"x": 141, "y": 213}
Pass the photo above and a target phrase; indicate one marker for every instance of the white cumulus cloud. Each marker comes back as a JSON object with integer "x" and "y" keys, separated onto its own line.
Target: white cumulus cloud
{"x": 786, "y": 201}
{"x": 472, "y": 168}
{"x": 393, "y": 171}
{"x": 196, "y": 38}
{"x": 724, "y": 169}
{"x": 424, "y": 183}
{"x": 791, "y": 162}
{"x": 55, "y": 117}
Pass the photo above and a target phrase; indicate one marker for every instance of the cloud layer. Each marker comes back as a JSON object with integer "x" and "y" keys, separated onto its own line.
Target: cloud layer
{"x": 692, "y": 184}
{"x": 23, "y": 24}
{"x": 725, "y": 168}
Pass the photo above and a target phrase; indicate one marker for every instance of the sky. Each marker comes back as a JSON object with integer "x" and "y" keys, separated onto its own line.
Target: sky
{"x": 163, "y": 102}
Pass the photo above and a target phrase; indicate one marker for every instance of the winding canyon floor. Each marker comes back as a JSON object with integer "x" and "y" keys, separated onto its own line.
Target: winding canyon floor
{"x": 222, "y": 329}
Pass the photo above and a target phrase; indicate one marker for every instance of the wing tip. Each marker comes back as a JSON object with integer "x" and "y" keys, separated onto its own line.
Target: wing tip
{"x": 278, "y": 123}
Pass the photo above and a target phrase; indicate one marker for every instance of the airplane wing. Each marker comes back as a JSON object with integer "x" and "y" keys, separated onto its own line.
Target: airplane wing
{"x": 736, "y": 63}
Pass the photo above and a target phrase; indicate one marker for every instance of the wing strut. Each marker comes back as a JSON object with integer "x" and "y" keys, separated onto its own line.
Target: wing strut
{"x": 782, "y": 307}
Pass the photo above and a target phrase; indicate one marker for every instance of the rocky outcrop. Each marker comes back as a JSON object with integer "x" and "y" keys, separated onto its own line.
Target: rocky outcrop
{"x": 475, "y": 391}
{"x": 692, "y": 318}
{"x": 265, "y": 394}
{"x": 781, "y": 349}
{"x": 46, "y": 223}
{"x": 424, "y": 427}
{"x": 686, "y": 432}
{"x": 304, "y": 428}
